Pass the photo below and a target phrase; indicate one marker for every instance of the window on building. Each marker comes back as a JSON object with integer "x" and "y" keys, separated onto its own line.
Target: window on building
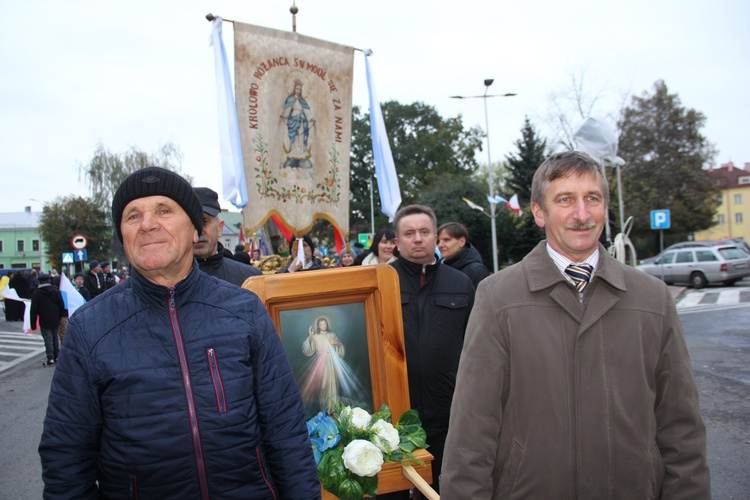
{"x": 745, "y": 179}
{"x": 738, "y": 199}
{"x": 721, "y": 200}
{"x": 20, "y": 247}
{"x": 34, "y": 245}
{"x": 720, "y": 219}
{"x": 738, "y": 218}
{"x": 1, "y": 246}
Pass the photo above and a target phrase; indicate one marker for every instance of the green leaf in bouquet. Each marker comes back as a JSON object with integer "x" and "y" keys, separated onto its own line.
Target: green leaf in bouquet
{"x": 384, "y": 413}
{"x": 370, "y": 485}
{"x": 409, "y": 422}
{"x": 350, "y": 489}
{"x": 331, "y": 470}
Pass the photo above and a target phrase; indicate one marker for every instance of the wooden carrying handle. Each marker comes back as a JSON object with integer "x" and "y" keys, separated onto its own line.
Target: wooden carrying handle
{"x": 417, "y": 480}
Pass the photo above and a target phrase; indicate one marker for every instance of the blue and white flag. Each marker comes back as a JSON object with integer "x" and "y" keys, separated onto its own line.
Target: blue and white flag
{"x": 385, "y": 170}
{"x": 232, "y": 166}
{"x": 73, "y": 298}
{"x": 496, "y": 200}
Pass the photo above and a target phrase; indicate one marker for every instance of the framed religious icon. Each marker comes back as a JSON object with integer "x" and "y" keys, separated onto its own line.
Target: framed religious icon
{"x": 342, "y": 332}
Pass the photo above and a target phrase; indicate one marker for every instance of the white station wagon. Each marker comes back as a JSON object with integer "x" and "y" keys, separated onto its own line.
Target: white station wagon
{"x": 699, "y": 266}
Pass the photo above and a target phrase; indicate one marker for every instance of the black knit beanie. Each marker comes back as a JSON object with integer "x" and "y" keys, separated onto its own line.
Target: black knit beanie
{"x": 156, "y": 181}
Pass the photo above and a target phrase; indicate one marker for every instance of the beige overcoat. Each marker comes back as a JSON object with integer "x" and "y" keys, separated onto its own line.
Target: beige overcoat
{"x": 559, "y": 399}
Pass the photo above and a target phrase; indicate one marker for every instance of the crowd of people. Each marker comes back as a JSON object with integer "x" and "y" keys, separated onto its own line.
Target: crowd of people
{"x": 565, "y": 375}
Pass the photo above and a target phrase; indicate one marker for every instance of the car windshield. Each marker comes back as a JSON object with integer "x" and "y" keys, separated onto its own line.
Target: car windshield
{"x": 732, "y": 253}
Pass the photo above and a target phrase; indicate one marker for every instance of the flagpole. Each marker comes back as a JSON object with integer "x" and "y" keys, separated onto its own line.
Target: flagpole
{"x": 493, "y": 215}
{"x": 490, "y": 180}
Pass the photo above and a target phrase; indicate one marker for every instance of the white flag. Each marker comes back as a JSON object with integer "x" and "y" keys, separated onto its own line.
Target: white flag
{"x": 232, "y": 167}
{"x": 385, "y": 169}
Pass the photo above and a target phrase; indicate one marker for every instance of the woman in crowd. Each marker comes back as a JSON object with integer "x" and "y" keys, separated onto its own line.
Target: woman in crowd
{"x": 382, "y": 250}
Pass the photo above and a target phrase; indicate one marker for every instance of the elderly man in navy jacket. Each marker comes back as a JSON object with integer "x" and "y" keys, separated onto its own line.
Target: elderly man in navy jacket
{"x": 174, "y": 384}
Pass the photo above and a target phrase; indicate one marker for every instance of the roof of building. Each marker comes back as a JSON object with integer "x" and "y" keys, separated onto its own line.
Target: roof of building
{"x": 730, "y": 176}
{"x": 19, "y": 220}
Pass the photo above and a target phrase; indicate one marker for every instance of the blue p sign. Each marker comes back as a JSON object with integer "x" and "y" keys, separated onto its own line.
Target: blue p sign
{"x": 660, "y": 219}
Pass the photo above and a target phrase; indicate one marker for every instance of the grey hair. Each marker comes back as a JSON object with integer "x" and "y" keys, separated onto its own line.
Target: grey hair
{"x": 561, "y": 165}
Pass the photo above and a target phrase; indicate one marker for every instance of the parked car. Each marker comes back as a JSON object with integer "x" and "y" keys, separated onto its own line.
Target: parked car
{"x": 700, "y": 265}
{"x": 682, "y": 244}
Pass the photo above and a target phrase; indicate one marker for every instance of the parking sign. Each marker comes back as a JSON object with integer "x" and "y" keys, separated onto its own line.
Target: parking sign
{"x": 660, "y": 219}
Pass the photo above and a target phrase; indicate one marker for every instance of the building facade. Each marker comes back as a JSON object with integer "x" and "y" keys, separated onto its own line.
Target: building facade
{"x": 21, "y": 244}
{"x": 731, "y": 219}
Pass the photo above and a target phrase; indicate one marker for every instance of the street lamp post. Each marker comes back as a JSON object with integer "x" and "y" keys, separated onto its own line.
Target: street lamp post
{"x": 490, "y": 180}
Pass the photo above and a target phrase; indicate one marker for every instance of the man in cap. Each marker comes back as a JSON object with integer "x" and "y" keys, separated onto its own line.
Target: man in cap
{"x": 174, "y": 384}
{"x": 48, "y": 307}
{"x": 212, "y": 258}
{"x": 93, "y": 279}
{"x": 107, "y": 277}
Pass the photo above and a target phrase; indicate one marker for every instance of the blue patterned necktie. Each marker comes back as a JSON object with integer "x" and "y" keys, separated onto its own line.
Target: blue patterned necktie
{"x": 581, "y": 274}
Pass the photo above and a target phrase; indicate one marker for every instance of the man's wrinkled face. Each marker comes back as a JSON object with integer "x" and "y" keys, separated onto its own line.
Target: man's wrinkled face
{"x": 158, "y": 238}
{"x": 416, "y": 238}
{"x": 573, "y": 216}
{"x": 208, "y": 243}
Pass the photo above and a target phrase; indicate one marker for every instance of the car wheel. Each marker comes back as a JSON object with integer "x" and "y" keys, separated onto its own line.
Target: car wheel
{"x": 730, "y": 282}
{"x": 698, "y": 280}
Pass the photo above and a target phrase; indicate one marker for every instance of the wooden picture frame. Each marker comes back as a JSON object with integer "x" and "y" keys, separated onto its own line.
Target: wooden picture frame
{"x": 376, "y": 289}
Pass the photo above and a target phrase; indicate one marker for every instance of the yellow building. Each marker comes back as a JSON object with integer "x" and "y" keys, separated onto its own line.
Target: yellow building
{"x": 734, "y": 208}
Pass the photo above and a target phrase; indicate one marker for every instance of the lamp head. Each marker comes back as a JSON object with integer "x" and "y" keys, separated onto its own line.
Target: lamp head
{"x": 488, "y": 82}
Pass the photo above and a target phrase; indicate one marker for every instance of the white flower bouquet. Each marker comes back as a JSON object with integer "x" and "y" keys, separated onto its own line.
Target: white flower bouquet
{"x": 350, "y": 447}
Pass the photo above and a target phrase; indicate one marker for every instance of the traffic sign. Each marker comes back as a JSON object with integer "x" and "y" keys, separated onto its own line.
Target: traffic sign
{"x": 79, "y": 242}
{"x": 366, "y": 239}
{"x": 81, "y": 255}
{"x": 660, "y": 219}
{"x": 67, "y": 258}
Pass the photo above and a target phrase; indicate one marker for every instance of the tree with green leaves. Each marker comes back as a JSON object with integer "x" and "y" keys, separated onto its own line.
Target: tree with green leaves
{"x": 106, "y": 171}
{"x": 519, "y": 174}
{"x": 665, "y": 155}
{"x": 445, "y": 198}
{"x": 425, "y": 146}
{"x": 66, "y": 217}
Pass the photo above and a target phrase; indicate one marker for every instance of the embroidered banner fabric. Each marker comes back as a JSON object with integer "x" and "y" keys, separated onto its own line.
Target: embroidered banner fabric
{"x": 293, "y": 96}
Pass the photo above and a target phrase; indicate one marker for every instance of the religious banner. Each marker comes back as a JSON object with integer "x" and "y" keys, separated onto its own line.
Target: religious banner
{"x": 293, "y": 96}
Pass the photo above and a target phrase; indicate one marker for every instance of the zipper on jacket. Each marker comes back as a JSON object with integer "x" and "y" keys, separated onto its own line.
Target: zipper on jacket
{"x": 264, "y": 472}
{"x": 186, "y": 382}
{"x": 133, "y": 493}
{"x": 213, "y": 365}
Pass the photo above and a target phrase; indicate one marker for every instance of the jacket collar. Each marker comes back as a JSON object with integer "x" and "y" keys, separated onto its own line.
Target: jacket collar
{"x": 542, "y": 273}
{"x": 158, "y": 294}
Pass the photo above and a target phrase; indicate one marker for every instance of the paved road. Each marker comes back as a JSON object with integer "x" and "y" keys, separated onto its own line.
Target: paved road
{"x": 718, "y": 340}
{"x": 15, "y": 346}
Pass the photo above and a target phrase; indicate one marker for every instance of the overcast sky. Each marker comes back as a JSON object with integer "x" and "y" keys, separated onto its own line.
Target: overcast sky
{"x": 140, "y": 73}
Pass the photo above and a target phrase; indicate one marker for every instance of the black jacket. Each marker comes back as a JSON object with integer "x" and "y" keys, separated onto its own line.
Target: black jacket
{"x": 47, "y": 305}
{"x": 469, "y": 262}
{"x": 180, "y": 392}
{"x": 94, "y": 282}
{"x": 226, "y": 268}
{"x": 435, "y": 318}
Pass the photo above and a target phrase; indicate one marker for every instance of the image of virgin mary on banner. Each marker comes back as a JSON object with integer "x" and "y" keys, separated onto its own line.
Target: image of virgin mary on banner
{"x": 293, "y": 96}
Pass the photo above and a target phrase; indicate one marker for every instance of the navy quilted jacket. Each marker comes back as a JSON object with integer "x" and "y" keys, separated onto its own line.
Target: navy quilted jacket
{"x": 180, "y": 392}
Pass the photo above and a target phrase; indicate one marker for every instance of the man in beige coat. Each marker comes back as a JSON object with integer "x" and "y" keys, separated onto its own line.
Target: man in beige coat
{"x": 574, "y": 384}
